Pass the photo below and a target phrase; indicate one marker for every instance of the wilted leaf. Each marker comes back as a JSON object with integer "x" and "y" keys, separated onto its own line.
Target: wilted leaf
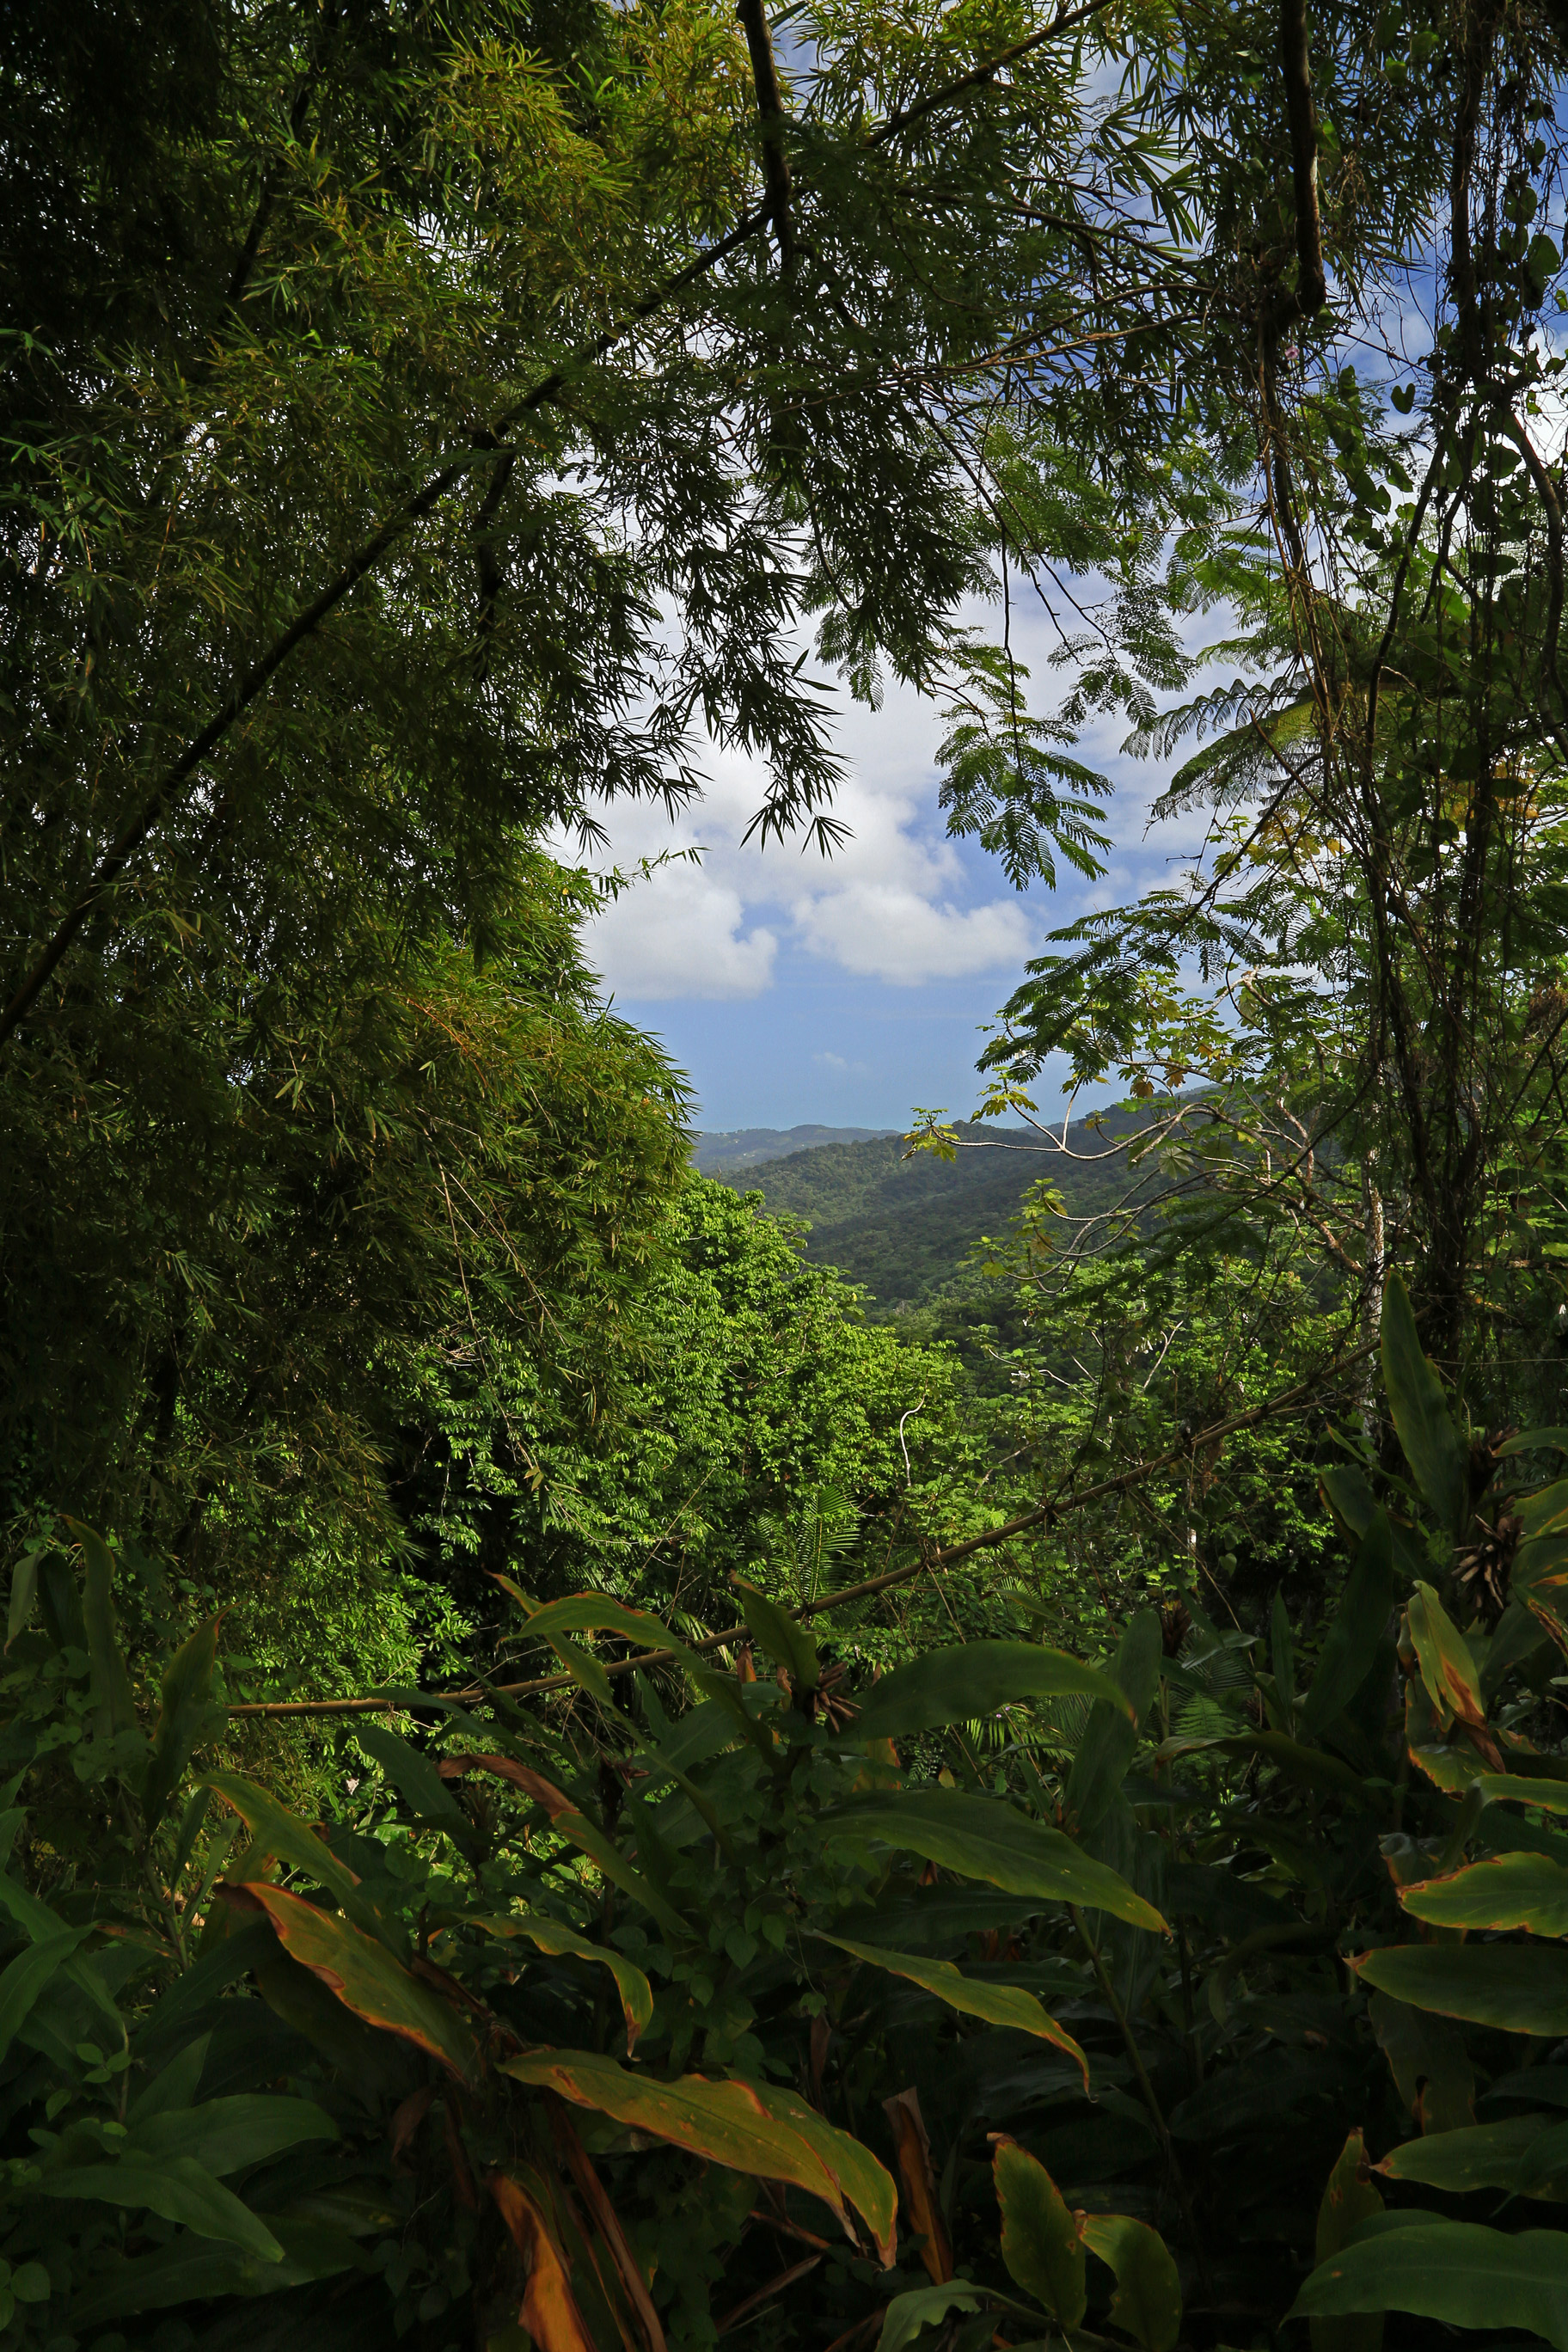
{"x": 1436, "y": 1451}
{"x": 550, "y": 2312}
{"x": 954, "y": 1684}
{"x": 912, "y": 2150}
{"x": 984, "y": 1837}
{"x": 1518, "y": 1988}
{"x": 1041, "y": 2242}
{"x": 997, "y": 2005}
{"x": 364, "y": 1976}
{"x": 1456, "y": 2272}
{"x": 1448, "y": 1668}
{"x": 551, "y": 1935}
{"x": 1147, "y": 2305}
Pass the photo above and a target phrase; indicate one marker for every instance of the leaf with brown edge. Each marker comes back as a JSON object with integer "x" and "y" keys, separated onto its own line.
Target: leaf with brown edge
{"x": 913, "y": 2152}
{"x": 608, "y": 2221}
{"x": 1350, "y": 2199}
{"x": 549, "y": 2312}
{"x": 366, "y": 1977}
{"x": 1506, "y": 1890}
{"x": 868, "y": 2184}
{"x": 997, "y": 2005}
{"x": 279, "y": 1833}
{"x": 725, "y": 2122}
{"x": 1042, "y": 2241}
{"x": 506, "y": 1767}
{"x": 1447, "y": 1669}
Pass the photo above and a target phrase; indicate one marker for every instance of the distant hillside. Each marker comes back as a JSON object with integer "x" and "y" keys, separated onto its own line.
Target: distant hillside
{"x": 747, "y": 1147}
{"x": 904, "y": 1227}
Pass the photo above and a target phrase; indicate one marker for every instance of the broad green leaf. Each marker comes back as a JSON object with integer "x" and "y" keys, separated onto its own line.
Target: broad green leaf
{"x": 954, "y": 1684}
{"x": 414, "y": 1774}
{"x": 1456, "y": 2272}
{"x": 176, "y": 2084}
{"x": 1349, "y": 2200}
{"x": 1103, "y": 1754}
{"x": 364, "y": 1976}
{"x": 1482, "y": 2155}
{"x": 552, "y": 1935}
{"x": 40, "y": 1924}
{"x": 226, "y": 2135}
{"x": 177, "y": 2189}
{"x": 1282, "y": 1658}
{"x": 1147, "y": 2305}
{"x": 1358, "y": 1623}
{"x": 985, "y": 1837}
{"x": 25, "y": 1976}
{"x": 1350, "y": 1495}
{"x": 725, "y": 2122}
{"x": 1448, "y": 1668}
{"x": 784, "y": 1638}
{"x": 608, "y": 1857}
{"x": 1428, "y": 2061}
{"x": 596, "y": 1613}
{"x": 111, "y": 1682}
{"x": 278, "y": 1833}
{"x": 997, "y": 2005}
{"x": 24, "y": 1593}
{"x": 868, "y": 2184}
{"x": 1534, "y": 1441}
{"x": 1437, "y": 1453}
{"x": 909, "y": 2313}
{"x": 1507, "y": 1890}
{"x": 193, "y": 2269}
{"x": 182, "y": 1714}
{"x": 1041, "y": 2243}
{"x": 1518, "y": 1989}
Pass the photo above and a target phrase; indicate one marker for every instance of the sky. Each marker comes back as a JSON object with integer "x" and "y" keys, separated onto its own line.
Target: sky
{"x": 848, "y": 991}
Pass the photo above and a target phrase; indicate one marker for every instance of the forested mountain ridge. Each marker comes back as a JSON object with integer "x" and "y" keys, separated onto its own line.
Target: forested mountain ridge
{"x": 904, "y": 1224}
{"x": 713, "y": 1152}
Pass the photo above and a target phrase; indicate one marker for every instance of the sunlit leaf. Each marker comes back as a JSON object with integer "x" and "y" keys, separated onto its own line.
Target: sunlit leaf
{"x": 955, "y": 1683}
{"x": 981, "y": 1837}
{"x": 997, "y": 2005}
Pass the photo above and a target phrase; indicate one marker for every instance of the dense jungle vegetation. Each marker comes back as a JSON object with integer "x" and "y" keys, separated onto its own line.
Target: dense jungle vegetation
{"x": 563, "y": 1784}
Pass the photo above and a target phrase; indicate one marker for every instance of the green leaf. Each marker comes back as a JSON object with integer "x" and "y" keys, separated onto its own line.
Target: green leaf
{"x": 1147, "y": 2305}
{"x": 1437, "y": 1453}
{"x": 183, "y": 1713}
{"x": 414, "y": 1774}
{"x": 226, "y": 2135}
{"x": 1040, "y": 2241}
{"x": 957, "y": 1683}
{"x": 551, "y": 1935}
{"x": 111, "y": 1682}
{"x": 984, "y": 1837}
{"x": 1448, "y": 1669}
{"x": 193, "y": 2269}
{"x": 25, "y": 1976}
{"x": 784, "y": 1638}
{"x": 1349, "y": 2200}
{"x": 1482, "y": 2155}
{"x": 177, "y": 2189}
{"x": 364, "y": 1976}
{"x": 868, "y": 2185}
{"x": 909, "y": 2313}
{"x": 1103, "y": 1754}
{"x": 1429, "y": 2063}
{"x": 1515, "y": 1988}
{"x": 24, "y": 1593}
{"x": 1456, "y": 2272}
{"x": 1359, "y": 1623}
{"x": 603, "y": 1851}
{"x": 275, "y": 1832}
{"x": 997, "y": 2005}
{"x": 1507, "y": 1890}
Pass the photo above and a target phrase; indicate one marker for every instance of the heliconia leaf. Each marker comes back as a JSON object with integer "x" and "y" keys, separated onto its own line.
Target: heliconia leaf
{"x": 1482, "y": 2155}
{"x": 723, "y": 2121}
{"x": 226, "y": 2135}
{"x": 110, "y": 1681}
{"x": 868, "y": 2185}
{"x": 997, "y": 2005}
{"x": 1436, "y": 1451}
{"x": 1350, "y": 2199}
{"x": 183, "y": 1711}
{"x": 1534, "y": 1441}
{"x": 1517, "y": 1988}
{"x": 1539, "y": 1577}
{"x": 1456, "y": 2272}
{"x": 552, "y": 1935}
{"x": 784, "y": 1638}
{"x": 176, "y": 2187}
{"x": 986, "y": 1838}
{"x": 276, "y": 1831}
{"x": 976, "y": 1678}
{"x": 1350, "y": 1495}
{"x": 1506, "y": 1788}
{"x": 607, "y": 2222}
{"x": 25, "y": 1976}
{"x": 909, "y": 2314}
{"x": 1147, "y": 2305}
{"x": 1042, "y": 2244}
{"x": 1448, "y": 1668}
{"x": 1507, "y": 1890}
{"x": 1350, "y": 1643}
{"x": 548, "y": 2315}
{"x": 1452, "y": 1765}
{"x": 922, "y": 2203}
{"x": 1103, "y": 1754}
{"x": 506, "y": 1767}
{"x": 366, "y": 1977}
{"x": 1429, "y": 2063}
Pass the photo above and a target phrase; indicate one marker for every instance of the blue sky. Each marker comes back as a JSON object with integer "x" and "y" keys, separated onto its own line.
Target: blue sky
{"x": 847, "y": 991}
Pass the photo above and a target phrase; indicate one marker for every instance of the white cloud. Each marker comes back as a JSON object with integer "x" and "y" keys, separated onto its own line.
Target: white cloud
{"x": 681, "y": 934}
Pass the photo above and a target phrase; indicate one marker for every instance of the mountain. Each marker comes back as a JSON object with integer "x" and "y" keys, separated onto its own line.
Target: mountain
{"x": 904, "y": 1227}
{"x": 747, "y": 1147}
